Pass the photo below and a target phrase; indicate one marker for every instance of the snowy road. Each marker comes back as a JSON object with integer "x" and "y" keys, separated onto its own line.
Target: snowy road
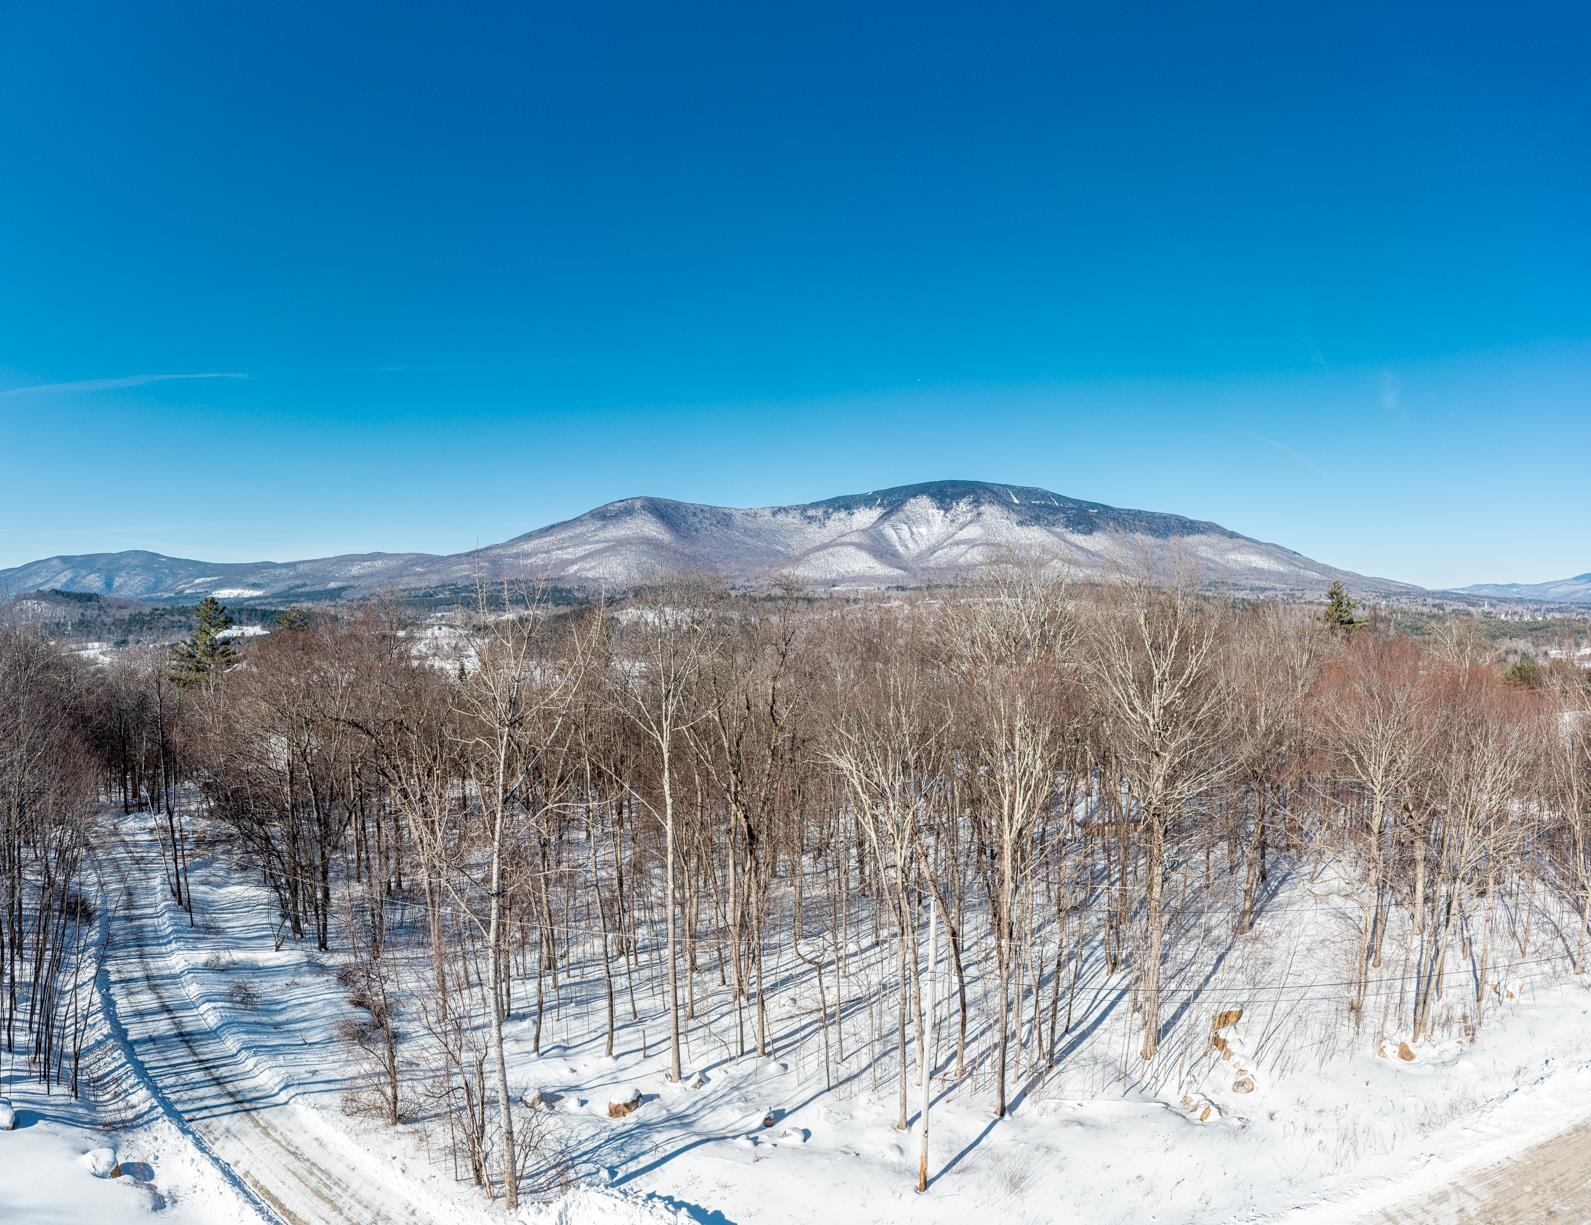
{"x": 270, "y": 1149}
{"x": 1548, "y": 1182}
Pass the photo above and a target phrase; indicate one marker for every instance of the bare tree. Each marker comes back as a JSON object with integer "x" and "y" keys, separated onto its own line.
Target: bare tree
{"x": 1153, "y": 654}
{"x": 514, "y": 706}
{"x": 667, "y": 638}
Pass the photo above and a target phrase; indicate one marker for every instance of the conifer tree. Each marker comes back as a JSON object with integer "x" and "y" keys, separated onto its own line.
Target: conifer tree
{"x": 291, "y": 619}
{"x": 203, "y": 656}
{"x": 1525, "y": 673}
{"x": 1340, "y": 609}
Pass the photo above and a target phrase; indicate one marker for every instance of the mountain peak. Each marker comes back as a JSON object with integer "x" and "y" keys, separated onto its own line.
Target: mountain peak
{"x": 1028, "y": 504}
{"x": 1574, "y": 590}
{"x": 933, "y": 532}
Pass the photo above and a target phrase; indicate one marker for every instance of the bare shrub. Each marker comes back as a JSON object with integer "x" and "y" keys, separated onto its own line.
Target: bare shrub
{"x": 243, "y": 994}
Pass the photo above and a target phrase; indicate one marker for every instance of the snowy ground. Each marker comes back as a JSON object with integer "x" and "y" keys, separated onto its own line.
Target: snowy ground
{"x": 218, "y": 1077}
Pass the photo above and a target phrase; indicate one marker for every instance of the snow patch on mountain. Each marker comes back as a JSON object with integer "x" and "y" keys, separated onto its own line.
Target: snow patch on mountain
{"x": 913, "y": 535}
{"x": 1576, "y": 590}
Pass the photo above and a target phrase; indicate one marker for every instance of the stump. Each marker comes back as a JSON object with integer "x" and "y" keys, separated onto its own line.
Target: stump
{"x": 625, "y": 1106}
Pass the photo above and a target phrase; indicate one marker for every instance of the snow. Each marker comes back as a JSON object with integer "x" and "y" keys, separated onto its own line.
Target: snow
{"x": 590, "y": 1205}
{"x": 94, "y": 652}
{"x": 1250, "y": 559}
{"x": 1295, "y": 1116}
{"x": 47, "y": 1176}
{"x": 55, "y": 1165}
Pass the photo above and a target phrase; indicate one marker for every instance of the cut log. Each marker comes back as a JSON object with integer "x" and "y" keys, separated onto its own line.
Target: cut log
{"x": 625, "y": 1106}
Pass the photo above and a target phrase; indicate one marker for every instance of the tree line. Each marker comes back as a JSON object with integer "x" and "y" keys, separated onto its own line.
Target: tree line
{"x": 898, "y": 831}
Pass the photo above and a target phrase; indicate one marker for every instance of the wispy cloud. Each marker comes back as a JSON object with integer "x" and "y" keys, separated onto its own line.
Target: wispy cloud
{"x": 1286, "y": 450}
{"x": 110, "y": 530}
{"x": 115, "y": 384}
{"x": 1391, "y": 392}
{"x": 414, "y": 368}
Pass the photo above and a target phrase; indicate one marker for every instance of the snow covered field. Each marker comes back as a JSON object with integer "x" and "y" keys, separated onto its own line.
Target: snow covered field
{"x": 217, "y": 1074}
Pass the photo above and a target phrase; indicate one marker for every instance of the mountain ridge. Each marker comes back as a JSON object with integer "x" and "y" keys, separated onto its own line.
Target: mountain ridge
{"x": 916, "y": 535}
{"x": 1573, "y": 590}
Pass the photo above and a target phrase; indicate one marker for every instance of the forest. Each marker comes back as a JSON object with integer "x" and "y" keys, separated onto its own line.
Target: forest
{"x": 897, "y": 831}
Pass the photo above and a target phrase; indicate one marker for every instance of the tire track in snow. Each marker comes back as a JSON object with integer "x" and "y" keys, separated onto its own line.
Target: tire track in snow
{"x": 248, "y": 1143}
{"x": 124, "y": 1043}
{"x": 1550, "y": 1181}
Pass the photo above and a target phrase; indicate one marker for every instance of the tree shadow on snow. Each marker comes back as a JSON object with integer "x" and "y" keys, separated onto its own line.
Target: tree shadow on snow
{"x": 702, "y": 1216}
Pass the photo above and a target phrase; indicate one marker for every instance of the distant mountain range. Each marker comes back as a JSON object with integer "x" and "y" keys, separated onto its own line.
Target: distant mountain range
{"x": 910, "y": 536}
{"x": 1576, "y": 590}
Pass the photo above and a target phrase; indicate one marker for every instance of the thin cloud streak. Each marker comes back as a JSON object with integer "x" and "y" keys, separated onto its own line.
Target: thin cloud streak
{"x": 1391, "y": 392}
{"x": 1287, "y": 450}
{"x": 116, "y": 384}
{"x": 112, "y": 531}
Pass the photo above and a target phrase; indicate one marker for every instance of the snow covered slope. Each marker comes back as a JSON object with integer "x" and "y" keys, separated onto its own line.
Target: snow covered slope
{"x": 140, "y": 575}
{"x": 911, "y": 535}
{"x": 1576, "y": 590}
{"x": 233, "y": 1080}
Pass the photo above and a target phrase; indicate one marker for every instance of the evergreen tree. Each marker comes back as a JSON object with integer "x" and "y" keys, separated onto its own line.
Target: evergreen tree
{"x": 1525, "y": 673}
{"x": 290, "y": 619}
{"x": 202, "y": 657}
{"x": 1339, "y": 611}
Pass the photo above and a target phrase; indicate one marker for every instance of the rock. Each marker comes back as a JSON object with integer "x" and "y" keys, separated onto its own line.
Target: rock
{"x": 771, "y": 1117}
{"x": 8, "y": 1116}
{"x": 1223, "y": 1019}
{"x": 1243, "y": 1084}
{"x": 1405, "y": 1053}
{"x": 1204, "y": 1115}
{"x": 625, "y": 1106}
{"x": 101, "y": 1163}
{"x": 1221, "y": 1045}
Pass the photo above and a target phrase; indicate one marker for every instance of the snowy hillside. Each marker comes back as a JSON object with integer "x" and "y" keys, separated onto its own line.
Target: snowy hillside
{"x": 912, "y": 535}
{"x": 224, "y": 1080}
{"x": 1576, "y": 590}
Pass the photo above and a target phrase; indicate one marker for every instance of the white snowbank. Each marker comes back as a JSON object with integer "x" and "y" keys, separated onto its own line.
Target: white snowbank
{"x": 604, "y": 1206}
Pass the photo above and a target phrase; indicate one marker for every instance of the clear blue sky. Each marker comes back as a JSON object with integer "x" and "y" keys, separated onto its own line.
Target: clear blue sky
{"x": 437, "y": 275}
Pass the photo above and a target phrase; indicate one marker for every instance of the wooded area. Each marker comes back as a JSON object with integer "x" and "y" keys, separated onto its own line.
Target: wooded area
{"x": 933, "y": 810}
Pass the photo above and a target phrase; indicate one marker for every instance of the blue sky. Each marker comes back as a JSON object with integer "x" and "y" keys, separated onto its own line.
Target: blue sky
{"x": 433, "y": 277}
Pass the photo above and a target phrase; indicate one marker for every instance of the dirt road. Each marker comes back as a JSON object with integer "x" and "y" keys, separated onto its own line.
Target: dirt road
{"x": 1550, "y": 1181}
{"x": 259, "y": 1140}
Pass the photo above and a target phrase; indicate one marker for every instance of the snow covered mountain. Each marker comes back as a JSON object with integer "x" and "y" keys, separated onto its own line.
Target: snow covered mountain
{"x": 909, "y": 536}
{"x": 1576, "y": 590}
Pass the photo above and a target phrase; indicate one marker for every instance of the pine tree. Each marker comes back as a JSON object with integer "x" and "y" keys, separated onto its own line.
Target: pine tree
{"x": 1525, "y": 673}
{"x": 1339, "y": 611}
{"x": 292, "y": 619}
{"x": 202, "y": 657}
